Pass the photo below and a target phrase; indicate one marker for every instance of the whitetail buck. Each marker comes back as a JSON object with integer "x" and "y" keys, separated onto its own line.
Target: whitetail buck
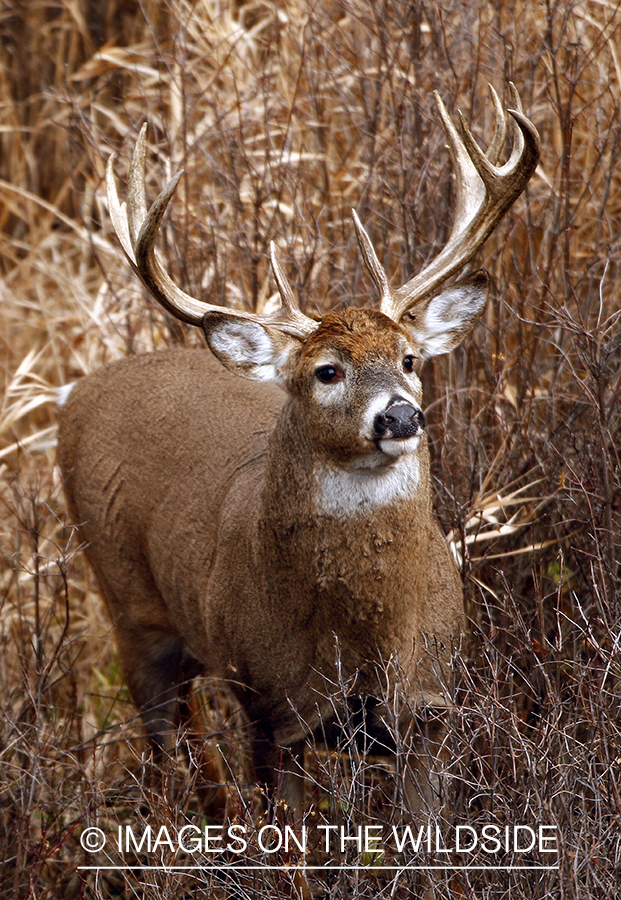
{"x": 249, "y": 527}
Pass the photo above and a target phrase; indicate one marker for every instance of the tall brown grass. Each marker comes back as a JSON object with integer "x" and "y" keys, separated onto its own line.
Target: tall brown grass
{"x": 284, "y": 116}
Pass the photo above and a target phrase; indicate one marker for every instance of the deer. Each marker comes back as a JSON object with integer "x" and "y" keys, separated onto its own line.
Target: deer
{"x": 263, "y": 512}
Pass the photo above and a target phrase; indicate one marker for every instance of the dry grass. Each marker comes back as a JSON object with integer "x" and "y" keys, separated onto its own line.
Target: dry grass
{"x": 284, "y": 116}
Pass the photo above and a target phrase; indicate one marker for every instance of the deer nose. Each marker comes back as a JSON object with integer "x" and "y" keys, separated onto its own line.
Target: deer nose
{"x": 401, "y": 421}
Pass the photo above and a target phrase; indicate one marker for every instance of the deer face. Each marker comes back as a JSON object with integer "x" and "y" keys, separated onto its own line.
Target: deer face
{"x": 356, "y": 379}
{"x": 353, "y": 382}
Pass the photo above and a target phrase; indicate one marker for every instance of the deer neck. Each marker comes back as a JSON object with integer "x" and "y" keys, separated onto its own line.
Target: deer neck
{"x": 334, "y": 517}
{"x": 349, "y": 553}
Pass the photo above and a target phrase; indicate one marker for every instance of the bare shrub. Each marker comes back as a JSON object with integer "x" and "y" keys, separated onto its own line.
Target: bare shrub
{"x": 284, "y": 116}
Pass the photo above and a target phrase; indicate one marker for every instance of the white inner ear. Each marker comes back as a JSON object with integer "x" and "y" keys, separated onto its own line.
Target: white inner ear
{"x": 449, "y": 318}
{"x": 450, "y": 310}
{"x": 242, "y": 342}
{"x": 250, "y": 349}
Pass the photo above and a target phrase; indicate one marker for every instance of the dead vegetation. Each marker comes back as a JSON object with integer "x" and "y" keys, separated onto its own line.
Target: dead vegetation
{"x": 284, "y": 117}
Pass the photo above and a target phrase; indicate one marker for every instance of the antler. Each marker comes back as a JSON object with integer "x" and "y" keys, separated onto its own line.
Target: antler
{"x": 137, "y": 227}
{"x": 484, "y": 192}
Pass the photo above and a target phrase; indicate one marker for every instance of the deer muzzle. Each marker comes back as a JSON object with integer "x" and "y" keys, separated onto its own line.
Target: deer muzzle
{"x": 399, "y": 421}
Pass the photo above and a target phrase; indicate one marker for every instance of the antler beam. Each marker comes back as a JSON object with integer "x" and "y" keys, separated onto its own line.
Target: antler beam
{"x": 137, "y": 227}
{"x": 484, "y": 192}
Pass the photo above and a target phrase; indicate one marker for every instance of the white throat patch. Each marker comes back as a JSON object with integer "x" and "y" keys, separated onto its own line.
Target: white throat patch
{"x": 344, "y": 493}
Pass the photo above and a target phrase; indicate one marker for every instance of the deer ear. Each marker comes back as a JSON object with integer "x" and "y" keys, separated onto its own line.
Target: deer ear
{"x": 246, "y": 347}
{"x": 449, "y": 317}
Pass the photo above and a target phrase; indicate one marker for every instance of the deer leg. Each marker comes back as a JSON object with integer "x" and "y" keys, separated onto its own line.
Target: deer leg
{"x": 291, "y": 778}
{"x": 201, "y": 754}
{"x": 421, "y": 778}
{"x": 281, "y": 772}
{"x": 151, "y": 661}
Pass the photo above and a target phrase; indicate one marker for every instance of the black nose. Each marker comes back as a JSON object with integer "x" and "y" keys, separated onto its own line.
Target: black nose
{"x": 401, "y": 421}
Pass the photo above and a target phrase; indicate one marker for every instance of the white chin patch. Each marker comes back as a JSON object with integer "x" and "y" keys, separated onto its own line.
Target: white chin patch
{"x": 344, "y": 492}
{"x": 393, "y": 447}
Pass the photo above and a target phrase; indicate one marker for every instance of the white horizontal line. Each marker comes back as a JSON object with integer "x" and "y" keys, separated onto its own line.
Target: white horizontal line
{"x": 304, "y": 868}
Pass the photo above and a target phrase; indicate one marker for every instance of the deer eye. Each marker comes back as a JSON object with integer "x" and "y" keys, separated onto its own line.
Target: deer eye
{"x": 408, "y": 363}
{"x": 328, "y": 374}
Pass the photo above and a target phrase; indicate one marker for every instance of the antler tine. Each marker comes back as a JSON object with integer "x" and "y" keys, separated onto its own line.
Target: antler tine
{"x": 118, "y": 213}
{"x": 137, "y": 227}
{"x": 136, "y": 191}
{"x": 153, "y": 274}
{"x": 500, "y": 129}
{"x": 376, "y": 269}
{"x": 484, "y": 192}
{"x": 289, "y": 317}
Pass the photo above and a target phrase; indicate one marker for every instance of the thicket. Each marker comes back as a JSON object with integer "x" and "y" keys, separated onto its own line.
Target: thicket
{"x": 284, "y": 117}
